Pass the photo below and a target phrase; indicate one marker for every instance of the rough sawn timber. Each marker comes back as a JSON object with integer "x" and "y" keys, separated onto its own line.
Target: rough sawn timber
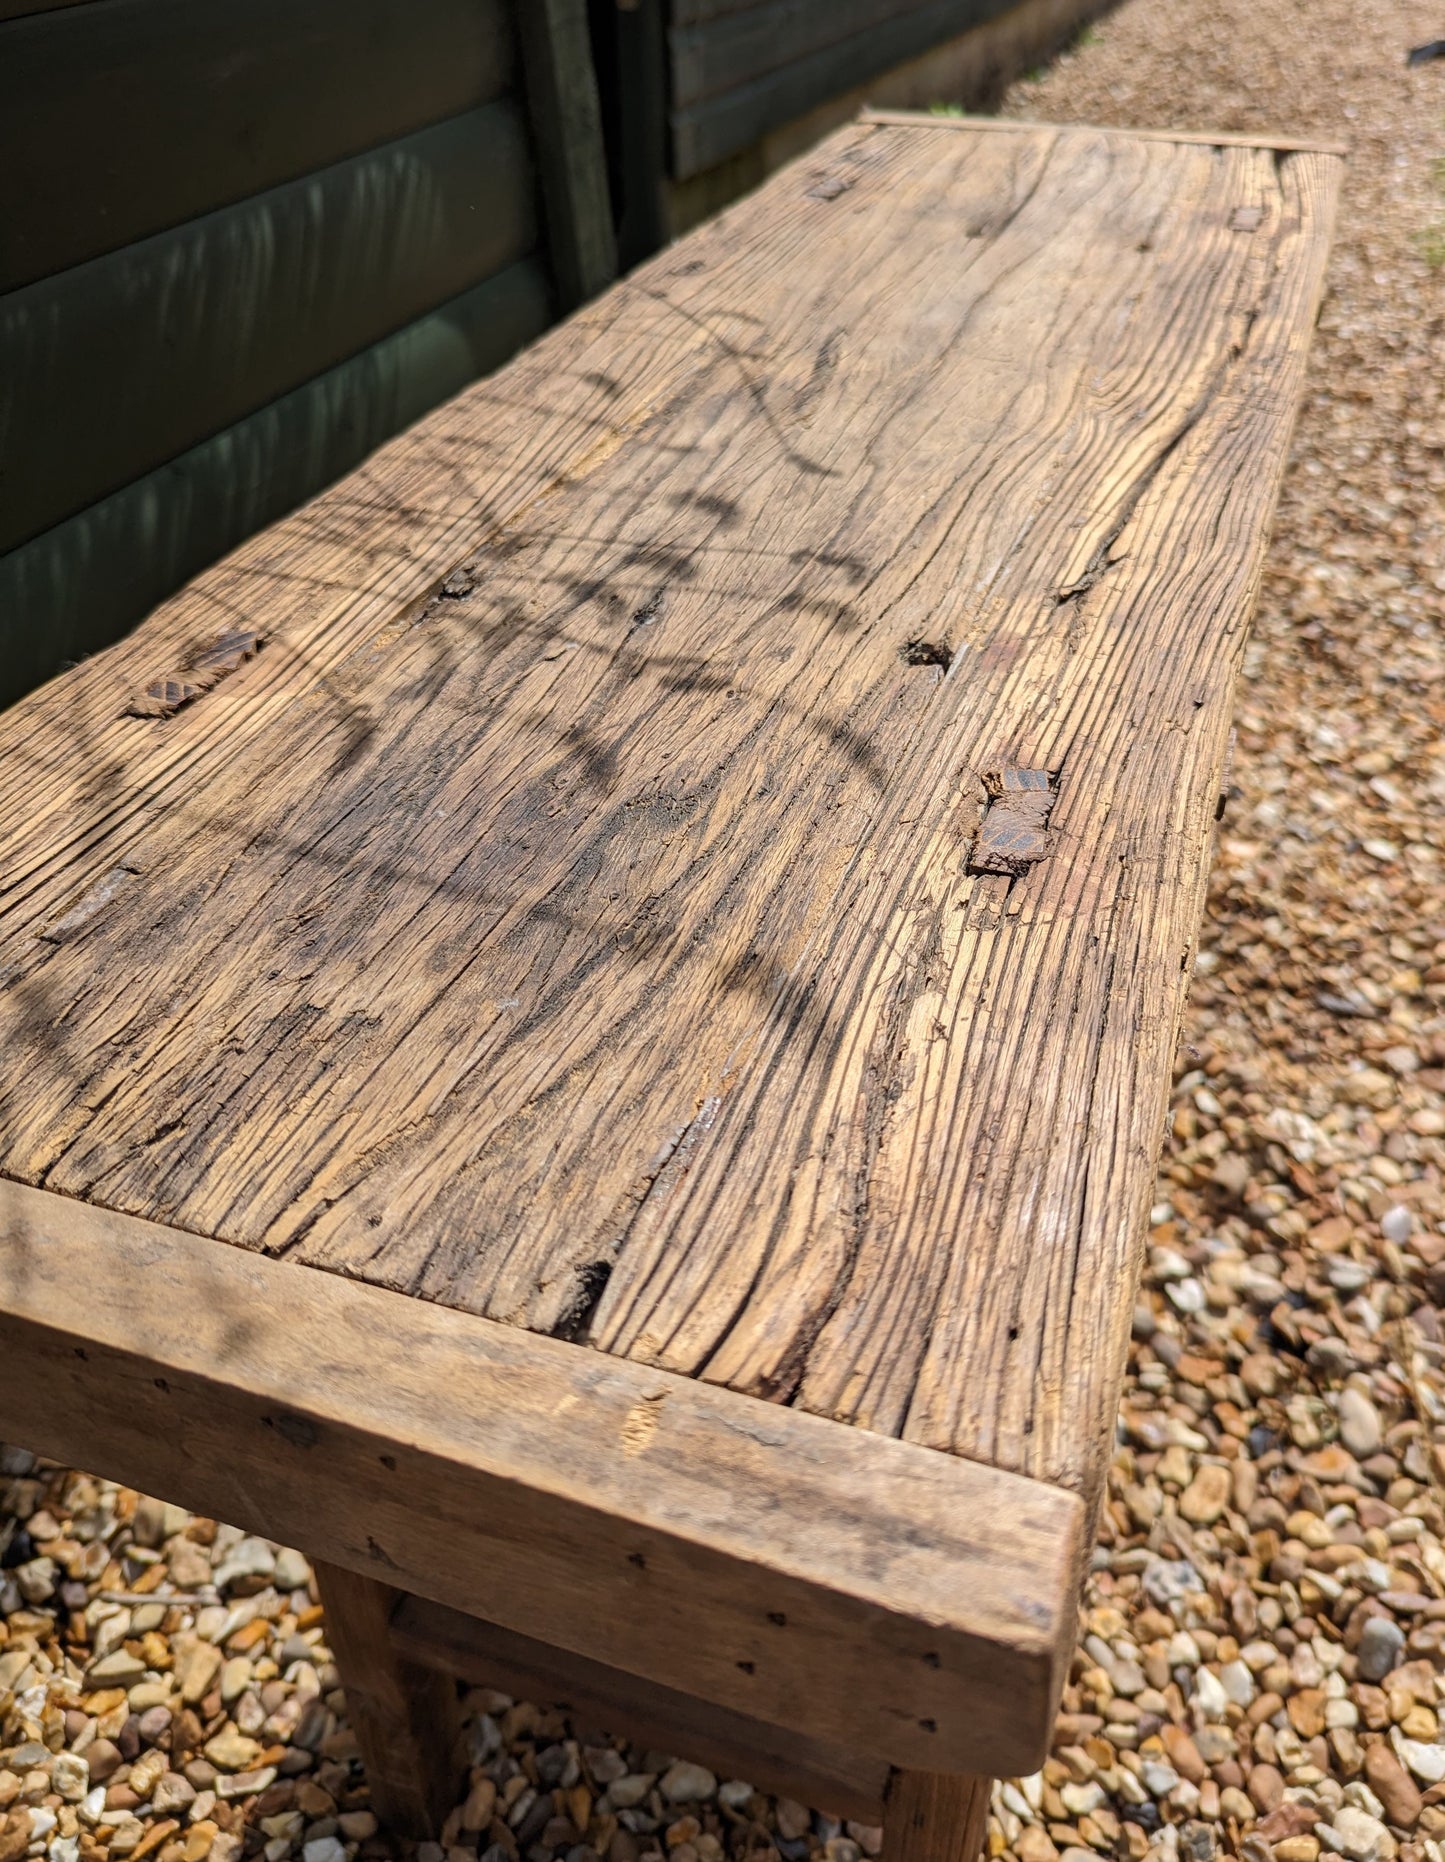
{"x": 406, "y": 1717}
{"x": 908, "y": 1606}
{"x": 584, "y": 937}
{"x": 776, "y": 1758}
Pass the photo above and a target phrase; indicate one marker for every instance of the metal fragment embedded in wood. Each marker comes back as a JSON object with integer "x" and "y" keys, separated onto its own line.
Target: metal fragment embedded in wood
{"x": 1013, "y": 835}
{"x": 164, "y": 697}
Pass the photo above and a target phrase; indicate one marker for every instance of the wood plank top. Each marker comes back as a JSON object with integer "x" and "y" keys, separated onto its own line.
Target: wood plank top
{"x": 606, "y": 901}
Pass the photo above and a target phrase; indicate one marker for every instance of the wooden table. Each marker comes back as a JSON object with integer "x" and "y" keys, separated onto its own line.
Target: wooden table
{"x": 587, "y": 1019}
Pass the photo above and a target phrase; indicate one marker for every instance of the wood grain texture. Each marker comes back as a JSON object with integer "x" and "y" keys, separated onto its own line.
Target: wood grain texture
{"x": 406, "y": 1717}
{"x": 120, "y": 118}
{"x": 893, "y": 1601}
{"x": 784, "y": 1759}
{"x": 936, "y": 1819}
{"x": 116, "y": 366}
{"x": 591, "y": 944}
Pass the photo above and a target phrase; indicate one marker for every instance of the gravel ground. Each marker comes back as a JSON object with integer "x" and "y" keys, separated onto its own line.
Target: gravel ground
{"x": 1262, "y": 1655}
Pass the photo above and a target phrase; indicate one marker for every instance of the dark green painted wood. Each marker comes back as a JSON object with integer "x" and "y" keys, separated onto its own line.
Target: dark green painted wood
{"x": 739, "y": 48}
{"x": 637, "y": 121}
{"x": 18, "y": 9}
{"x": 119, "y": 118}
{"x": 83, "y": 584}
{"x": 116, "y": 366}
{"x": 723, "y": 121}
{"x": 566, "y": 119}
{"x": 693, "y": 12}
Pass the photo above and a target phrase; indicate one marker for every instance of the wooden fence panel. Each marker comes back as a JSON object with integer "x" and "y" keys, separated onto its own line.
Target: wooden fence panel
{"x": 119, "y": 118}
{"x": 78, "y": 586}
{"x": 116, "y": 366}
{"x": 740, "y": 73}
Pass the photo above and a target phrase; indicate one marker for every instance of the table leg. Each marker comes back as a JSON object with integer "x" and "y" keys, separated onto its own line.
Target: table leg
{"x": 932, "y": 1817}
{"x": 405, "y": 1717}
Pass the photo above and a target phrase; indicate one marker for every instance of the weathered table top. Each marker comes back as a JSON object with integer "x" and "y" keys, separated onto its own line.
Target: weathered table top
{"x": 600, "y": 903}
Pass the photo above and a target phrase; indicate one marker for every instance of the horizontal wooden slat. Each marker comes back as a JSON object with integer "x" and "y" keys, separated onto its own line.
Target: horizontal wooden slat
{"x": 699, "y": 12}
{"x": 120, "y": 118}
{"x": 18, "y": 9}
{"x": 721, "y": 121}
{"x": 77, "y": 587}
{"x": 726, "y": 53}
{"x": 777, "y": 1758}
{"x": 114, "y": 367}
{"x": 893, "y": 1600}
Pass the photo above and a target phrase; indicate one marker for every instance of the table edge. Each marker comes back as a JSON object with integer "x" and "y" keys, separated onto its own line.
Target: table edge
{"x": 895, "y": 1599}
{"x": 1217, "y": 139}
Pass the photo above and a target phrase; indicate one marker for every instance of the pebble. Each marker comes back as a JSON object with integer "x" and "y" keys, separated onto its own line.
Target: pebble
{"x": 70, "y": 1776}
{"x": 793, "y": 1819}
{"x": 118, "y": 1669}
{"x": 1165, "y": 1581}
{"x": 1427, "y": 1761}
{"x": 1184, "y": 1754}
{"x": 230, "y": 1750}
{"x": 1381, "y": 1644}
{"x": 172, "y": 1792}
{"x": 196, "y": 1668}
{"x": 1360, "y": 1427}
{"x": 684, "y": 1783}
{"x": 248, "y": 1558}
{"x": 1265, "y": 1785}
{"x": 1399, "y": 1797}
{"x": 630, "y": 1789}
{"x": 1207, "y": 1495}
{"x": 235, "y": 1678}
{"x": 1209, "y": 1695}
{"x": 1357, "y": 1835}
{"x": 292, "y": 1571}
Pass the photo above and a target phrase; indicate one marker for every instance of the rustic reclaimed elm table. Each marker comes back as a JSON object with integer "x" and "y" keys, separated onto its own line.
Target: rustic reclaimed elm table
{"x": 586, "y": 1020}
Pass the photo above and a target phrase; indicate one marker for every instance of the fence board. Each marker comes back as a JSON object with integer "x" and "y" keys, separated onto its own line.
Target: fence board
{"x": 118, "y": 365}
{"x": 80, "y": 585}
{"x": 136, "y": 115}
